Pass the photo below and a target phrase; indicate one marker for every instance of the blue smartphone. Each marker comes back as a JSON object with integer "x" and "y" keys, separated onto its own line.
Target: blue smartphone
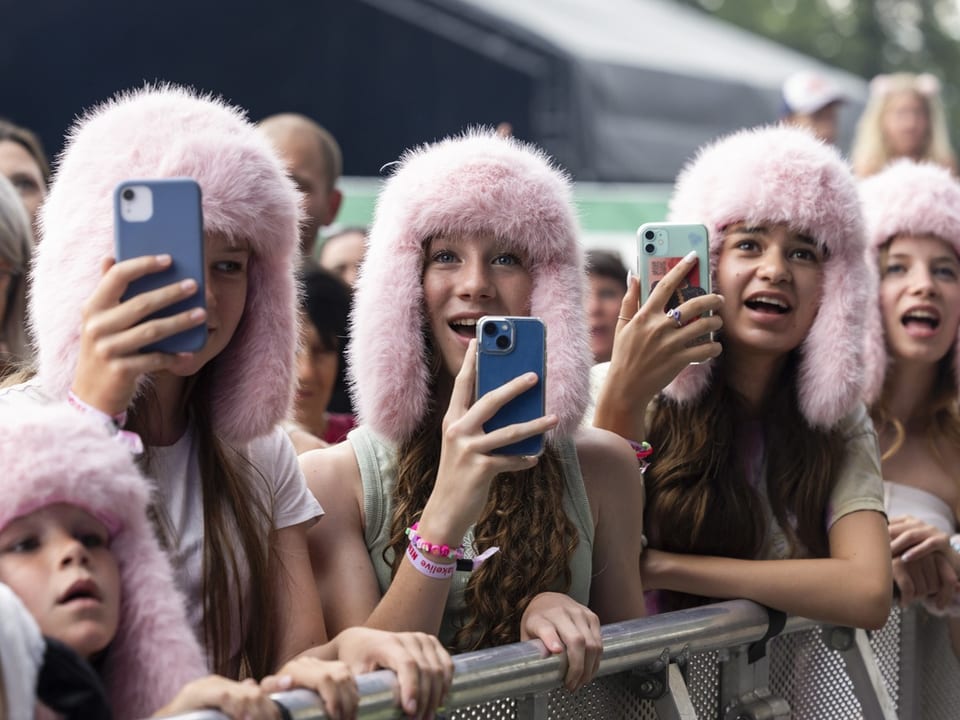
{"x": 508, "y": 347}
{"x": 152, "y": 217}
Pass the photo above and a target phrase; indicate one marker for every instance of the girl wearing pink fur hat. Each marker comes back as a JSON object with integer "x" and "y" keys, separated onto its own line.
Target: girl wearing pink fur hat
{"x": 471, "y": 226}
{"x": 912, "y": 212}
{"x": 762, "y": 451}
{"x": 230, "y": 502}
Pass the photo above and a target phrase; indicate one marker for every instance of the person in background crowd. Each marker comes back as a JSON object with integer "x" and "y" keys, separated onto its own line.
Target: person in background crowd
{"x": 607, "y": 278}
{"x": 342, "y": 253}
{"x": 314, "y": 161}
{"x": 320, "y": 360}
{"x": 25, "y": 165}
{"x": 16, "y": 249}
{"x": 904, "y": 118}
{"x": 811, "y": 100}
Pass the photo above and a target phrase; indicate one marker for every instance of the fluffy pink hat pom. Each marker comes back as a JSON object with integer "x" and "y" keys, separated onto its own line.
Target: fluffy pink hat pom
{"x": 784, "y": 175}
{"x": 477, "y": 182}
{"x": 161, "y": 132}
{"x": 53, "y": 454}
{"x": 911, "y": 199}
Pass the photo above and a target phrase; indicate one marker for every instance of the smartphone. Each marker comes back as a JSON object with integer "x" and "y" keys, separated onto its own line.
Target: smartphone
{"x": 660, "y": 247}
{"x": 508, "y": 347}
{"x": 152, "y": 217}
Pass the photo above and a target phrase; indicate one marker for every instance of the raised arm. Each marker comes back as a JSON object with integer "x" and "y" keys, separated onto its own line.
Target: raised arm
{"x": 649, "y": 350}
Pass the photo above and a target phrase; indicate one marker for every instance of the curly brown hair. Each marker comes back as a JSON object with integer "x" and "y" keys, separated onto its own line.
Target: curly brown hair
{"x": 699, "y": 497}
{"x": 524, "y": 513}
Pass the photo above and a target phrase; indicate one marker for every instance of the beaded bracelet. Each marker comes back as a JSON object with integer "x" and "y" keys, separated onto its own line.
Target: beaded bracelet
{"x": 643, "y": 451}
{"x": 423, "y": 546}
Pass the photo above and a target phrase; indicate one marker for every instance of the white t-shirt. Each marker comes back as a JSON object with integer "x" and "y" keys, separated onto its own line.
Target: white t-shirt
{"x": 178, "y": 491}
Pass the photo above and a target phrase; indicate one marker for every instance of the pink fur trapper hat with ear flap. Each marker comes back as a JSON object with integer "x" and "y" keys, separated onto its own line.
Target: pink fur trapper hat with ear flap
{"x": 163, "y": 132}
{"x": 54, "y": 454}
{"x": 906, "y": 198}
{"x": 474, "y": 183}
{"x": 784, "y": 175}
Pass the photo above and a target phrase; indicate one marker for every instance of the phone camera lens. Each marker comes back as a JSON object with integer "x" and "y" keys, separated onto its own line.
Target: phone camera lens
{"x": 503, "y": 342}
{"x": 649, "y": 234}
{"x": 128, "y": 194}
{"x": 490, "y": 329}
{"x": 650, "y": 248}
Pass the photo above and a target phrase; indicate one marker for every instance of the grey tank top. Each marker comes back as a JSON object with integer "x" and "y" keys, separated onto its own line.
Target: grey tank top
{"x": 378, "y": 471}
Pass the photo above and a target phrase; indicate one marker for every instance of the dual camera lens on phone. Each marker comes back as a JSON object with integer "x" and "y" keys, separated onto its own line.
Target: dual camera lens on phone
{"x": 128, "y": 194}
{"x": 492, "y": 329}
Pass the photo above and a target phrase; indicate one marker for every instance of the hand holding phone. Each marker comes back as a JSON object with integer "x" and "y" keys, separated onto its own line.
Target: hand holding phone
{"x": 154, "y": 217}
{"x": 508, "y": 347}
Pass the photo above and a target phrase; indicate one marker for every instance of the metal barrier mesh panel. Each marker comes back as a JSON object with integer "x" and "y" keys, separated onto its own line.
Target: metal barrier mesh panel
{"x": 811, "y": 677}
{"x": 703, "y": 683}
{"x": 938, "y": 668}
{"x": 885, "y": 644}
{"x": 614, "y": 696}
{"x": 505, "y": 709}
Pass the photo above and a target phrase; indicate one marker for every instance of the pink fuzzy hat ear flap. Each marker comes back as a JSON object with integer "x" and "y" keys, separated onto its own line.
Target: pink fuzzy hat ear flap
{"x": 53, "y": 454}
{"x": 785, "y": 175}
{"x": 161, "y": 132}
{"x": 477, "y": 182}
{"x": 906, "y": 198}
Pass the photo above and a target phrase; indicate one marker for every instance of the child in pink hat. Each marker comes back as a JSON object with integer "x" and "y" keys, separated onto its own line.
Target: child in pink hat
{"x": 763, "y": 451}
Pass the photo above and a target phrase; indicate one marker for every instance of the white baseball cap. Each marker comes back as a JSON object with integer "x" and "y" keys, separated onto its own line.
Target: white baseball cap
{"x": 807, "y": 91}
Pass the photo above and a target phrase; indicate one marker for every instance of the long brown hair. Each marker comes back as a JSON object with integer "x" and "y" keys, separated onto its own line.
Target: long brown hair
{"x": 524, "y": 515}
{"x": 699, "y": 497}
{"x": 237, "y": 534}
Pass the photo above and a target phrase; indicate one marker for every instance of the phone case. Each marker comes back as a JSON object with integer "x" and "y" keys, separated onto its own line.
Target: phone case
{"x": 164, "y": 216}
{"x": 508, "y": 347}
{"x": 660, "y": 246}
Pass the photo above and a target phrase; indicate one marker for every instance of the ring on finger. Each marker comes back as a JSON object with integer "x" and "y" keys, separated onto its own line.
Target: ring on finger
{"x": 674, "y": 314}
{"x": 623, "y": 317}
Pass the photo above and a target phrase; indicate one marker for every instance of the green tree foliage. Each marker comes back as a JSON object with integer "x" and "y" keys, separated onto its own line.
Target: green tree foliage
{"x": 865, "y": 37}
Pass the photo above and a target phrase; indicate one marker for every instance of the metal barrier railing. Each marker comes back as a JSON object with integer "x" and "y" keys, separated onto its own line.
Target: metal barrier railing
{"x": 706, "y": 662}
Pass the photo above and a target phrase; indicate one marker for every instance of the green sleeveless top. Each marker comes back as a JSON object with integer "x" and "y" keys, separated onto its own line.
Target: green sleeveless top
{"x": 378, "y": 471}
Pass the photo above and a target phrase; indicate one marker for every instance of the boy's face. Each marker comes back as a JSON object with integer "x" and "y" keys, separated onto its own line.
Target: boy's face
{"x": 58, "y": 561}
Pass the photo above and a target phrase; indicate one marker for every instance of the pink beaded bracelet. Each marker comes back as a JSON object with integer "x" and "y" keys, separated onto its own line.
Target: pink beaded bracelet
{"x": 423, "y": 546}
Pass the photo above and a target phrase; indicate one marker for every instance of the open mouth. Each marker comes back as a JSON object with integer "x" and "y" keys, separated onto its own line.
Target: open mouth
{"x": 464, "y": 327}
{"x": 80, "y": 590}
{"x": 768, "y": 304}
{"x": 926, "y": 319}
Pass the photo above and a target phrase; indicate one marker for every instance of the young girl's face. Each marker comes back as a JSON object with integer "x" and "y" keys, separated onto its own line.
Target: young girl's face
{"x": 226, "y": 283}
{"x": 905, "y": 124}
{"x": 920, "y": 297}
{"x": 466, "y": 277}
{"x": 317, "y": 367}
{"x": 58, "y": 561}
{"x": 771, "y": 279}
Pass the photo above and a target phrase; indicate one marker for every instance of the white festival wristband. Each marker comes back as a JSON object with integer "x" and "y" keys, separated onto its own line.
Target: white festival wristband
{"x": 430, "y": 568}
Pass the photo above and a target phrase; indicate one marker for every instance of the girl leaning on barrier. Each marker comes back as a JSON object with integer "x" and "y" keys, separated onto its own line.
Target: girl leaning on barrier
{"x": 764, "y": 480}
{"x": 472, "y": 226}
{"x": 912, "y": 213}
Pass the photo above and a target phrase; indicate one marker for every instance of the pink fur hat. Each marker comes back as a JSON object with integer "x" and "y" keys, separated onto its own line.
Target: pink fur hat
{"x": 53, "y": 454}
{"x": 904, "y": 198}
{"x": 477, "y": 182}
{"x": 784, "y": 175}
{"x": 159, "y": 132}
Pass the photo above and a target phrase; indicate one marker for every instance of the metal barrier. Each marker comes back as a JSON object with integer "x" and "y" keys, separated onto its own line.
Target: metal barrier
{"x": 706, "y": 662}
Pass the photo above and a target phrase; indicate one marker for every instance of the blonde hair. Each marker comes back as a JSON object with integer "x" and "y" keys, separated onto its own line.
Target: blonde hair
{"x": 16, "y": 247}
{"x": 870, "y": 153}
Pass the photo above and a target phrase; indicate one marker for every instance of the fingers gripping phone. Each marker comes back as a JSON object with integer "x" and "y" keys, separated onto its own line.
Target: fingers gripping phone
{"x": 153, "y": 217}
{"x": 508, "y": 347}
{"x": 660, "y": 247}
